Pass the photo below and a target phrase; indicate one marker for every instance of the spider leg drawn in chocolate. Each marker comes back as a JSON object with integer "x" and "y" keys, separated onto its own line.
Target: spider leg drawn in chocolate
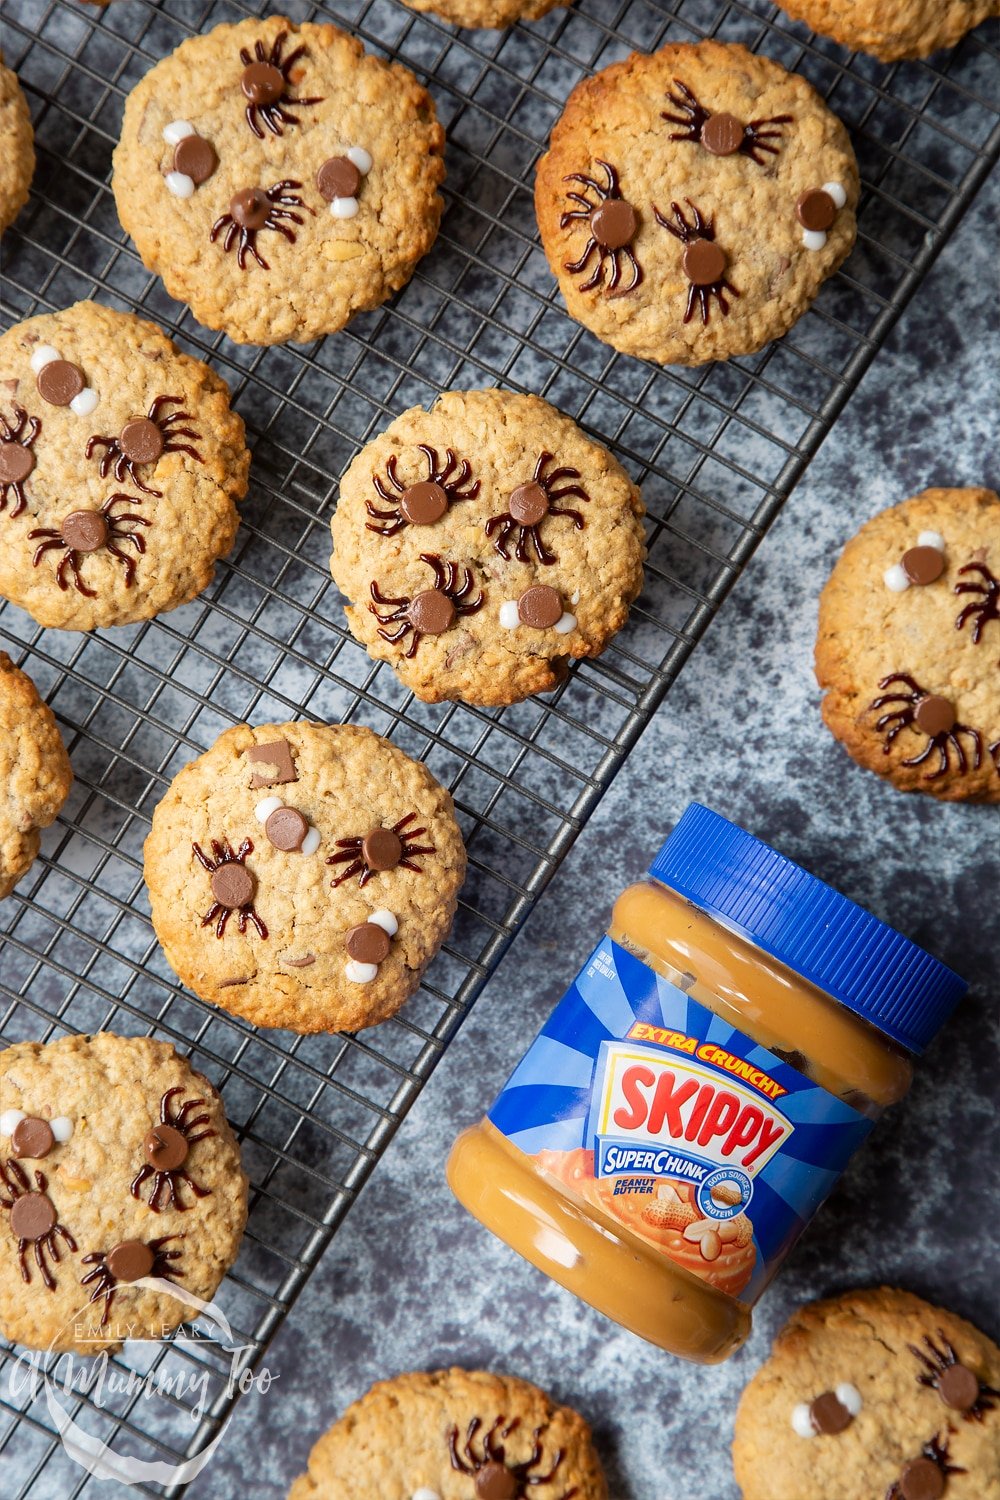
{"x": 234, "y": 887}
{"x": 493, "y": 1471}
{"x": 925, "y": 713}
{"x": 720, "y": 132}
{"x": 425, "y": 500}
{"x": 144, "y": 440}
{"x": 704, "y": 262}
{"x": 379, "y": 850}
{"x": 267, "y": 81}
{"x": 167, "y": 1147}
{"x": 983, "y": 609}
{"x": 613, "y": 224}
{"x": 433, "y": 610}
{"x": 255, "y": 209}
{"x": 86, "y": 531}
{"x": 531, "y": 504}
{"x": 16, "y": 457}
{"x": 33, "y": 1220}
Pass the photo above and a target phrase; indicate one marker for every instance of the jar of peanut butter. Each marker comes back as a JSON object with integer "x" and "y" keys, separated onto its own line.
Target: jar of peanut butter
{"x": 697, "y": 1092}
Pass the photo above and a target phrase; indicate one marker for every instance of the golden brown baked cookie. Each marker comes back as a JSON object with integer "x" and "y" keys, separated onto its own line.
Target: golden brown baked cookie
{"x": 454, "y": 1435}
{"x": 279, "y": 178}
{"x": 484, "y": 543}
{"x": 875, "y": 1393}
{"x": 116, "y": 1163}
{"x": 304, "y": 875}
{"x": 17, "y": 150}
{"x": 890, "y": 29}
{"x": 692, "y": 202}
{"x": 35, "y": 774}
{"x": 494, "y": 13}
{"x": 120, "y": 461}
{"x": 909, "y": 645}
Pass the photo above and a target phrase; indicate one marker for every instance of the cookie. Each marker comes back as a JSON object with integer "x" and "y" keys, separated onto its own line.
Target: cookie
{"x": 484, "y": 543}
{"x": 116, "y": 1163}
{"x": 875, "y": 1393}
{"x": 909, "y": 645}
{"x": 454, "y": 1435}
{"x": 890, "y": 29}
{"x": 304, "y": 875}
{"x": 279, "y": 178}
{"x": 487, "y": 13}
{"x": 34, "y": 772}
{"x": 692, "y": 202}
{"x": 17, "y": 150}
{"x": 120, "y": 461}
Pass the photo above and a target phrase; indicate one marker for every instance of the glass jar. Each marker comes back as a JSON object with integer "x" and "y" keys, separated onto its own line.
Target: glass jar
{"x": 700, "y": 1087}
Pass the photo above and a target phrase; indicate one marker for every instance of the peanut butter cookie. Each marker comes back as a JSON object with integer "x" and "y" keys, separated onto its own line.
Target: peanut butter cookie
{"x": 279, "y": 178}
{"x": 120, "y": 461}
{"x": 909, "y": 645}
{"x": 493, "y": 13}
{"x": 484, "y": 543}
{"x": 875, "y": 1393}
{"x": 17, "y": 150}
{"x": 120, "y": 1179}
{"x": 452, "y": 1435}
{"x": 35, "y": 773}
{"x": 890, "y": 29}
{"x": 304, "y": 875}
{"x": 692, "y": 202}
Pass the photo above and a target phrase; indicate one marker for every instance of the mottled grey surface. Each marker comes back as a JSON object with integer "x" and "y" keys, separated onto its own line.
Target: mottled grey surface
{"x": 411, "y": 1281}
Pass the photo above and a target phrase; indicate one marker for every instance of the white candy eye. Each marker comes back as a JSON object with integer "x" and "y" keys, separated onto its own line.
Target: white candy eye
{"x": 509, "y": 617}
{"x": 43, "y": 355}
{"x": 61, "y": 1127}
{"x": 10, "y": 1120}
{"x": 848, "y": 1395}
{"x": 813, "y": 239}
{"x": 931, "y": 539}
{"x": 425, "y": 1494}
{"x": 83, "y": 404}
{"x": 802, "y": 1421}
{"x": 266, "y": 807}
{"x": 564, "y": 625}
{"x": 311, "y": 841}
{"x": 179, "y": 184}
{"x": 344, "y": 208}
{"x": 359, "y": 973}
{"x": 177, "y": 131}
{"x": 361, "y": 159}
{"x": 836, "y": 192}
{"x": 385, "y": 920}
{"x": 895, "y": 579}
{"x": 574, "y": 598}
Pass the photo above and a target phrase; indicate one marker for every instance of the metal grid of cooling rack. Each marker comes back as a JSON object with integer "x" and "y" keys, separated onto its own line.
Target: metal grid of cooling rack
{"x": 716, "y": 451}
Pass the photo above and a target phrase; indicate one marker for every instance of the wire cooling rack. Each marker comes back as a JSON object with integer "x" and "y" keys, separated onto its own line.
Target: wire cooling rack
{"x": 717, "y": 451}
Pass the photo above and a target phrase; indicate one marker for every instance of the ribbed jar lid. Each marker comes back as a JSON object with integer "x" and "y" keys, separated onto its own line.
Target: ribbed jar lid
{"x": 808, "y": 926}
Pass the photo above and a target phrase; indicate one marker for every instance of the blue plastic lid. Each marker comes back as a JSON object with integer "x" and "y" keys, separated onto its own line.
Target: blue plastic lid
{"x": 807, "y": 925}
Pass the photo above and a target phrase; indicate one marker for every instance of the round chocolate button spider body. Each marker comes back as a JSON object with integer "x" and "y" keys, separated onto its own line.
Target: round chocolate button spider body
{"x": 934, "y": 715}
{"x": 85, "y": 530}
{"x": 130, "y": 1260}
{"x": 816, "y": 210}
{"x": 922, "y": 565}
{"x": 286, "y": 828}
{"x": 196, "y": 158}
{"x": 338, "y": 177}
{"x": 540, "y": 607}
{"x": 423, "y": 503}
{"x": 922, "y": 1479}
{"x": 262, "y": 83}
{"x": 382, "y": 849}
{"x": 494, "y": 1481}
{"x": 166, "y": 1147}
{"x": 141, "y": 441}
{"x": 59, "y": 381}
{"x": 32, "y": 1138}
{"x": 16, "y": 463}
{"x": 829, "y": 1415}
{"x": 249, "y": 208}
{"x": 431, "y": 612}
{"x": 368, "y": 943}
{"x": 233, "y": 885}
{"x": 614, "y": 223}
{"x": 529, "y": 504}
{"x": 32, "y": 1216}
{"x": 722, "y": 134}
{"x": 958, "y": 1387}
{"x": 704, "y": 262}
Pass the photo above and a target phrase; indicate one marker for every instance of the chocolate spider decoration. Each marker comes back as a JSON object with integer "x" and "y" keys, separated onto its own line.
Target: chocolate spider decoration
{"x": 529, "y": 506}
{"x": 167, "y": 1147}
{"x": 254, "y": 209}
{"x": 613, "y": 224}
{"x": 722, "y": 133}
{"x": 959, "y": 1387}
{"x": 143, "y": 440}
{"x": 933, "y": 716}
{"x": 127, "y": 1262}
{"x": 233, "y": 886}
{"x": 496, "y": 1476}
{"x": 266, "y": 81}
{"x": 382, "y": 849}
{"x": 926, "y": 1475}
{"x": 86, "y": 531}
{"x": 33, "y": 1220}
{"x": 433, "y": 610}
{"x": 16, "y": 457}
{"x": 425, "y": 501}
{"x": 980, "y": 611}
{"x": 704, "y": 261}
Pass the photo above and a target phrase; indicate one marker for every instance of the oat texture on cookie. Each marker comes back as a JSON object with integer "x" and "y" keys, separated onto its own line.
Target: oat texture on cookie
{"x": 483, "y": 544}
{"x": 303, "y": 875}
{"x": 279, "y": 178}
{"x": 89, "y": 1253}
{"x": 487, "y": 13}
{"x": 455, "y": 1435}
{"x": 872, "y": 1393}
{"x": 908, "y": 650}
{"x": 693, "y": 201}
{"x": 17, "y": 151}
{"x": 35, "y": 772}
{"x": 891, "y": 29}
{"x": 121, "y": 463}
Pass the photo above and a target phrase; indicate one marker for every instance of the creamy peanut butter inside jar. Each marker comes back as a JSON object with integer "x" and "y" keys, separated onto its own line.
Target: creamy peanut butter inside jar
{"x": 697, "y": 1092}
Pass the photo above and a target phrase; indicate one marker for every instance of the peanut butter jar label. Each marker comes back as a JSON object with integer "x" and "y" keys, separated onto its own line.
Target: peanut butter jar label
{"x": 654, "y": 1111}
